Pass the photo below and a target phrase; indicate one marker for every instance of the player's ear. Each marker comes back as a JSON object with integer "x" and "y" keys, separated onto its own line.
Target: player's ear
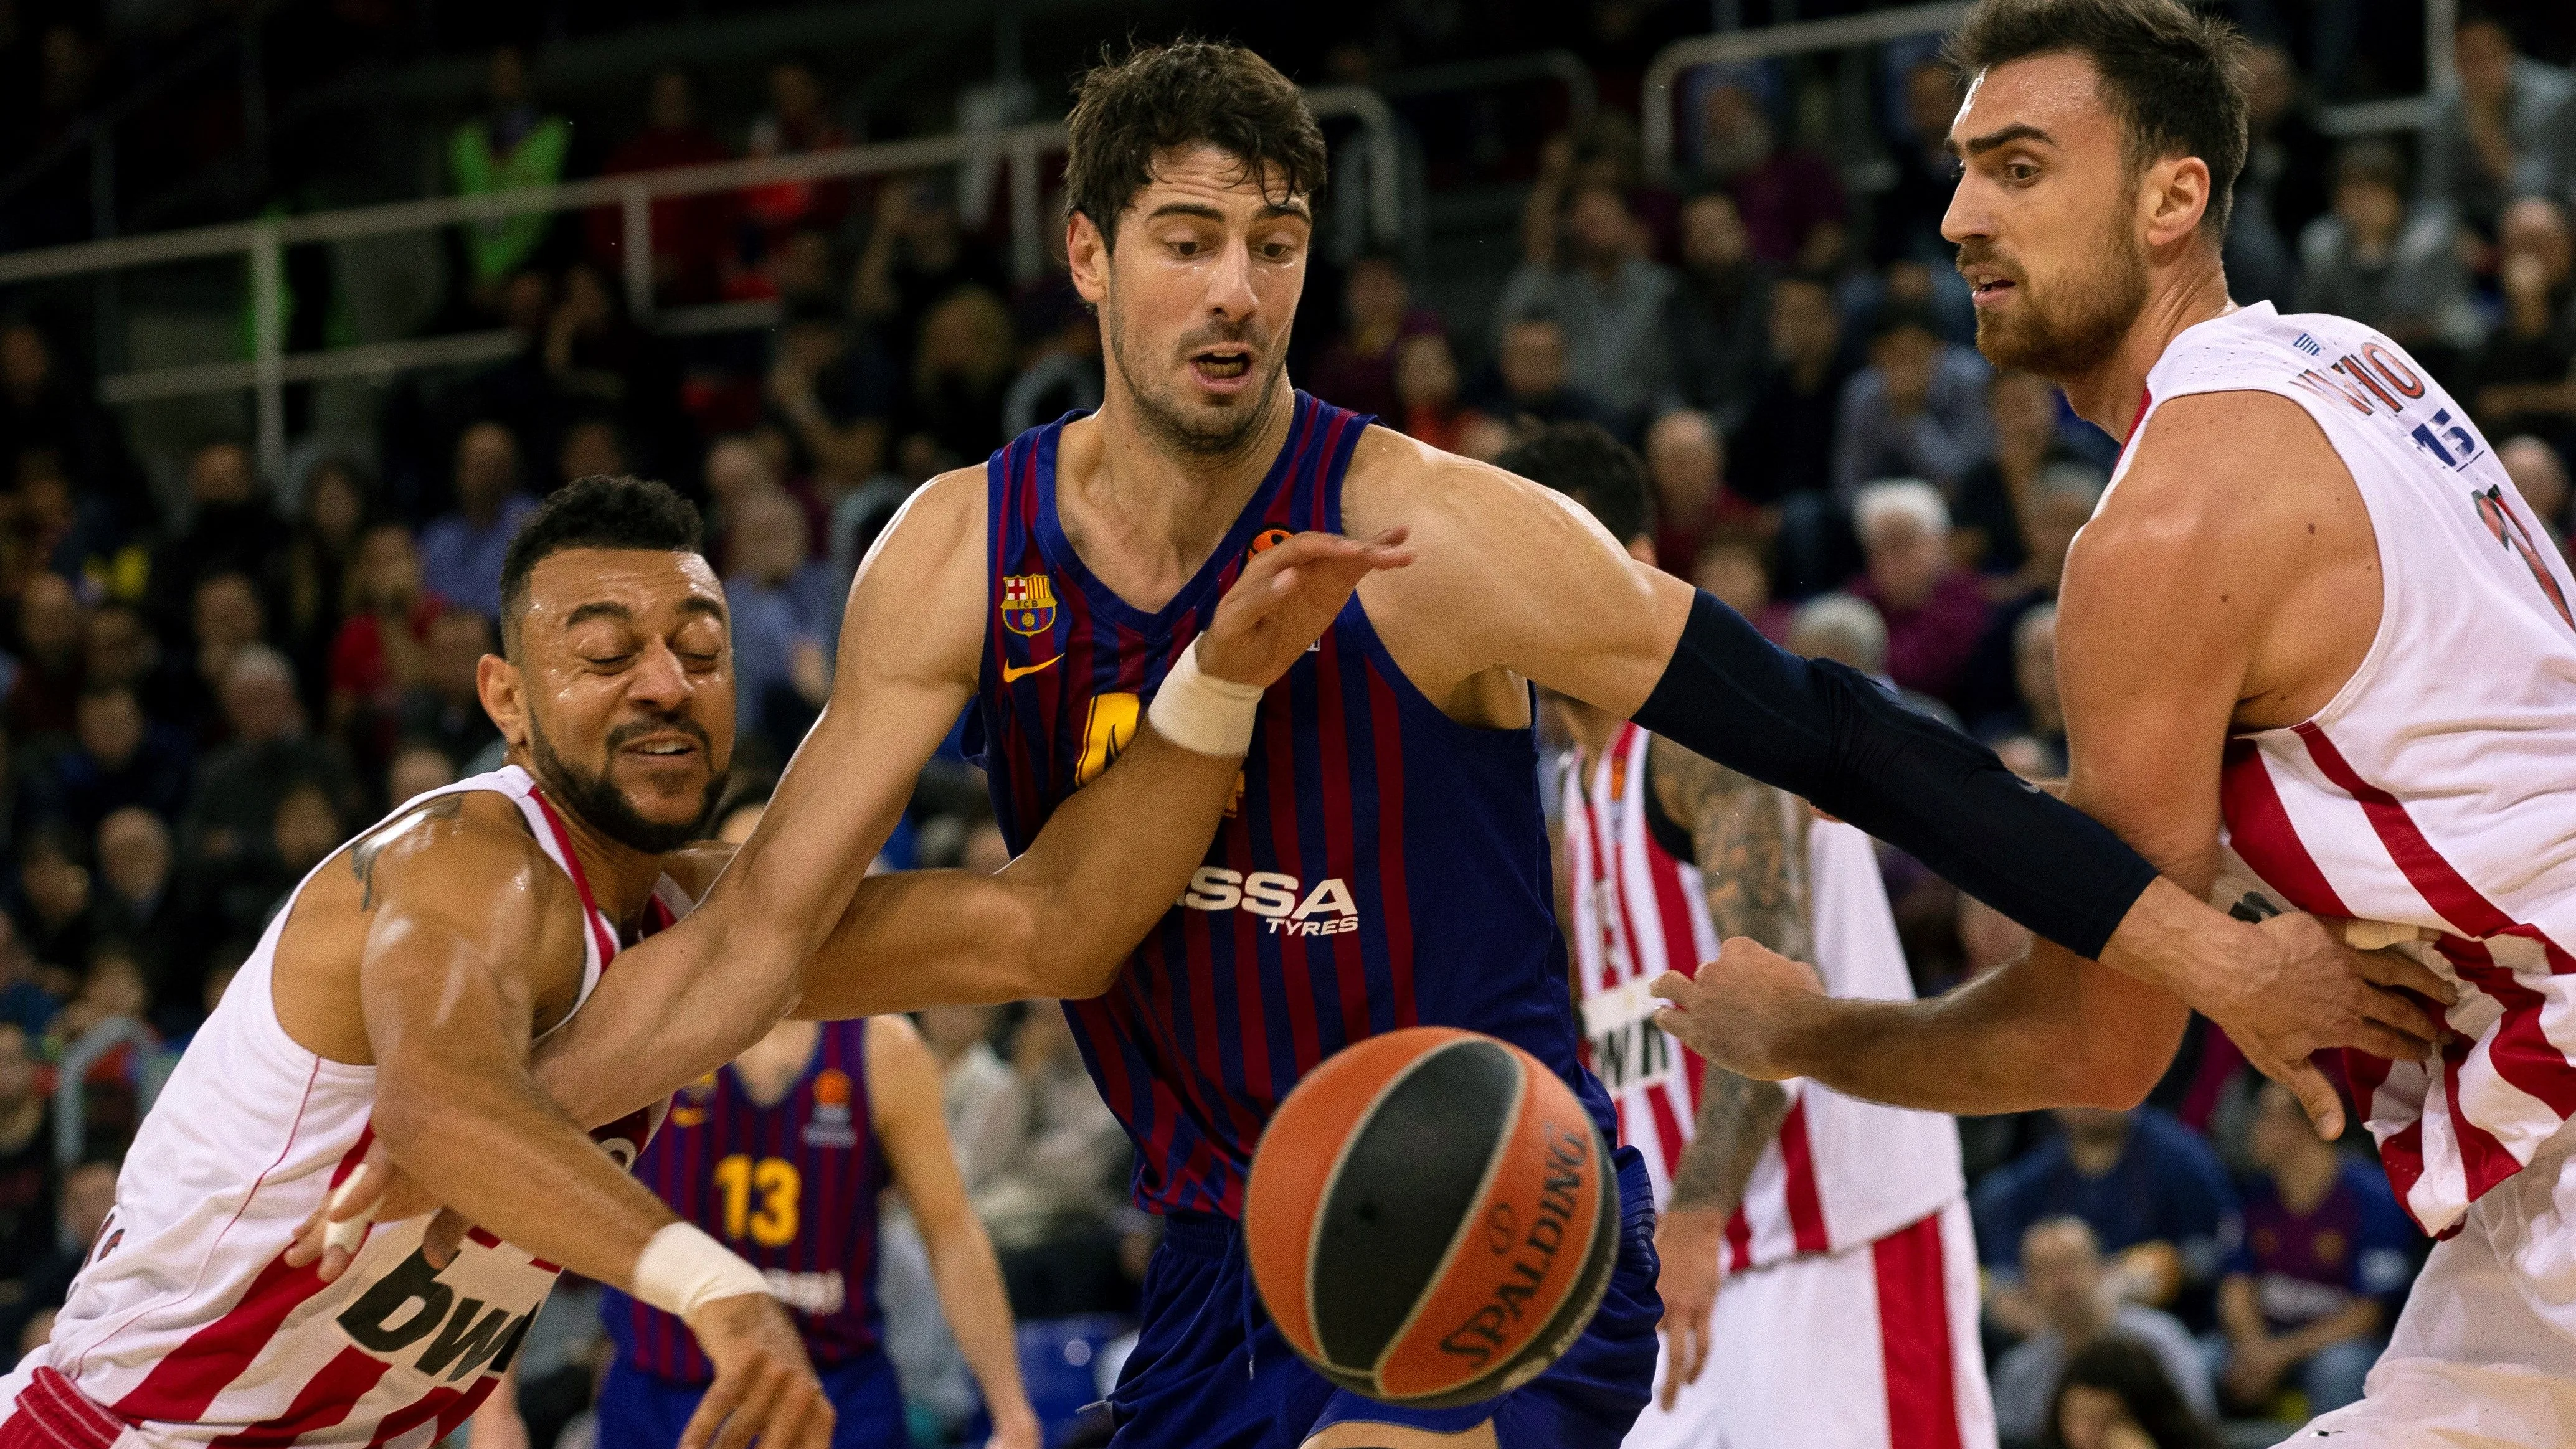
{"x": 505, "y": 698}
{"x": 2177, "y": 198}
{"x": 1086, "y": 256}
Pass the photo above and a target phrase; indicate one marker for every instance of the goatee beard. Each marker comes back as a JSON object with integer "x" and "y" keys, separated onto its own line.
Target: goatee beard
{"x": 2061, "y": 340}
{"x": 1162, "y": 419}
{"x": 605, "y": 808}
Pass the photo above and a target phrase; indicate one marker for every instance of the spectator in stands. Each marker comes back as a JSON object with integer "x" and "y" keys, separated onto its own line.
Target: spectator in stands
{"x": 88, "y": 1196}
{"x": 1790, "y": 197}
{"x": 2321, "y": 1271}
{"x": 1905, "y": 220}
{"x": 380, "y": 649}
{"x": 2037, "y": 715}
{"x": 1718, "y": 311}
{"x": 228, "y": 616}
{"x": 511, "y": 145}
{"x": 2368, "y": 260}
{"x": 118, "y": 647}
{"x": 27, "y": 1173}
{"x": 1054, "y": 1205}
{"x": 44, "y": 407}
{"x": 972, "y": 1081}
{"x": 592, "y": 446}
{"x": 418, "y": 768}
{"x": 231, "y": 529}
{"x": 961, "y": 366}
{"x": 1787, "y": 443}
{"x": 460, "y": 554}
{"x": 1686, "y": 463}
{"x": 120, "y": 758}
{"x": 784, "y": 609}
{"x": 135, "y": 903}
{"x": 1426, "y": 389}
{"x": 1986, "y": 517}
{"x": 2507, "y": 130}
{"x": 44, "y": 695}
{"x": 2151, "y": 1190}
{"x": 320, "y": 557}
{"x": 1848, "y": 630}
{"x": 798, "y": 119}
{"x": 2540, "y": 475}
{"x": 1917, "y": 411}
{"x": 1935, "y": 610}
{"x": 27, "y": 1001}
{"x": 1731, "y": 567}
{"x": 2289, "y": 162}
{"x": 1357, "y": 368}
{"x": 2525, "y": 371}
{"x": 1581, "y": 264}
{"x": 602, "y": 367}
{"x": 241, "y": 784}
{"x": 113, "y": 988}
{"x": 918, "y": 255}
{"x": 692, "y": 236}
{"x": 833, "y": 393}
{"x": 2116, "y": 1395}
{"x": 1061, "y": 373}
{"x": 2075, "y": 1303}
{"x": 54, "y": 893}
{"x": 304, "y": 832}
{"x": 1529, "y": 385}
{"x": 56, "y": 525}
{"x": 443, "y": 709}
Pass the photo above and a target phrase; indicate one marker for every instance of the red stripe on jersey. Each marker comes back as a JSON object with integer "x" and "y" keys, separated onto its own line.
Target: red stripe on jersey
{"x": 1279, "y": 724}
{"x": 1333, "y": 760}
{"x": 1671, "y": 1135}
{"x": 326, "y": 1399}
{"x": 600, "y": 935}
{"x": 1806, "y": 1207}
{"x": 1914, "y": 1338}
{"x": 2403, "y": 1155}
{"x": 1739, "y": 1241}
{"x": 1386, "y": 736}
{"x": 2261, "y": 831}
{"x": 2522, "y": 1053}
{"x": 189, "y": 1377}
{"x": 2434, "y": 878}
{"x": 427, "y": 1408}
{"x": 2484, "y": 1162}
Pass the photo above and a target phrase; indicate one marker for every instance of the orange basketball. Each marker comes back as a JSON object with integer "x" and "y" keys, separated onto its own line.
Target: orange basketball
{"x": 1432, "y": 1218}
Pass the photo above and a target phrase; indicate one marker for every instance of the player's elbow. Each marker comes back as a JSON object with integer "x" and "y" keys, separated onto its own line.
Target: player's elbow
{"x": 2113, "y": 1080}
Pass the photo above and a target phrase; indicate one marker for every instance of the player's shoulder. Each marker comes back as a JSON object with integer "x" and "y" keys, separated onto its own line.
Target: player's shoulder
{"x": 894, "y": 1034}
{"x": 466, "y": 846}
{"x": 1395, "y": 479}
{"x": 2212, "y": 463}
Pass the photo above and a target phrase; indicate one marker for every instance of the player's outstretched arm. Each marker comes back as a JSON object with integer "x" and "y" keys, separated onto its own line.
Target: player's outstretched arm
{"x": 457, "y": 904}
{"x": 1058, "y": 921}
{"x": 903, "y": 1090}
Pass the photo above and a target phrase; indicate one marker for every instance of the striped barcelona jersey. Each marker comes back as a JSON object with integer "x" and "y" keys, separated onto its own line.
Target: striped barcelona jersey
{"x": 791, "y": 1186}
{"x": 2432, "y": 791}
{"x": 1840, "y": 1172}
{"x": 1382, "y": 865}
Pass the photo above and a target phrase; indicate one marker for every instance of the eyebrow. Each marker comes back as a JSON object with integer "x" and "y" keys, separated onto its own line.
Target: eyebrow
{"x": 1291, "y": 207}
{"x": 1980, "y": 145}
{"x": 694, "y": 604}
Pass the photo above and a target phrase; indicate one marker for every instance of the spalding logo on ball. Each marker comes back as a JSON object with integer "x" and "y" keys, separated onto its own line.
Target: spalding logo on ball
{"x": 1431, "y": 1218}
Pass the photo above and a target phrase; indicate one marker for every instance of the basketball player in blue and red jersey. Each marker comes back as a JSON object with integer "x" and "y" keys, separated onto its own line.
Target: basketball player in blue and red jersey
{"x": 1385, "y": 862}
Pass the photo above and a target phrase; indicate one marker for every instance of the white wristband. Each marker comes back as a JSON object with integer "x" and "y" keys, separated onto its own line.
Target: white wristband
{"x": 682, "y": 1267}
{"x": 1202, "y": 713}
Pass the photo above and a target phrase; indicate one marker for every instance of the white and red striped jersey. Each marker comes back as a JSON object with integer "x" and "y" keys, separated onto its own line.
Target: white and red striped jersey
{"x": 2438, "y": 788}
{"x": 187, "y": 1326}
{"x": 1842, "y": 1172}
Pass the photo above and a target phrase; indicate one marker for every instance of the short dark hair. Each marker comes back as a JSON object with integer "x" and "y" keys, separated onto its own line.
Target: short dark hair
{"x": 594, "y": 512}
{"x": 2175, "y": 80}
{"x": 1894, "y": 317}
{"x": 1583, "y": 462}
{"x": 1183, "y": 94}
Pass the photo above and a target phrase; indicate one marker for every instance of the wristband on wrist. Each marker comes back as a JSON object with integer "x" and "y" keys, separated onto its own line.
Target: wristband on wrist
{"x": 681, "y": 1268}
{"x": 1202, "y": 713}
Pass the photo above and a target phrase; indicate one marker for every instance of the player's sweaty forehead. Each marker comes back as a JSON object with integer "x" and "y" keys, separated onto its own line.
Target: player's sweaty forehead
{"x": 1209, "y": 182}
{"x": 634, "y": 592}
{"x": 2045, "y": 103}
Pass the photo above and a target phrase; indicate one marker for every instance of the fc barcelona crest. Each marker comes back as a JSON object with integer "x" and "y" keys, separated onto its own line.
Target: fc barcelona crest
{"x": 1028, "y": 603}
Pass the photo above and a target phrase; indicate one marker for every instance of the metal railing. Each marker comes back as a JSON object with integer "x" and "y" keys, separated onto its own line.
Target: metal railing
{"x": 1582, "y": 96}
{"x": 71, "y": 1080}
{"x": 2441, "y": 18}
{"x": 263, "y": 244}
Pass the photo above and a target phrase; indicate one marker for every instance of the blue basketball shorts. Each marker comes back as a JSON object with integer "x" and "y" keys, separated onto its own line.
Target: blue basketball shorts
{"x": 1210, "y": 1370}
{"x": 638, "y": 1410}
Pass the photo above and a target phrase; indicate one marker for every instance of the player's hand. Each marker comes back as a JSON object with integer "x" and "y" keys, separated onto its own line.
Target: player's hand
{"x": 765, "y": 1387}
{"x": 1687, "y": 1241}
{"x": 2301, "y": 990}
{"x": 375, "y": 1191}
{"x": 1286, "y": 597}
{"x": 1017, "y": 1427}
{"x": 1735, "y": 1011}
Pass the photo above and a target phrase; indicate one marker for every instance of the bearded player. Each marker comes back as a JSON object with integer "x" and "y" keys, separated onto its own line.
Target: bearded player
{"x": 1848, "y": 1315}
{"x": 395, "y": 997}
{"x": 2316, "y": 654}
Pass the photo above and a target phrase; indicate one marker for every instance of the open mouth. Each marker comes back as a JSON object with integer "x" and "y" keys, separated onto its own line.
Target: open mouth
{"x": 1990, "y": 290}
{"x": 664, "y": 748}
{"x": 1221, "y": 365}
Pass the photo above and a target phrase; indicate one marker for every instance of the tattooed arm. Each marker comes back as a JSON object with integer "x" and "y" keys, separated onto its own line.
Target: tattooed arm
{"x": 1750, "y": 843}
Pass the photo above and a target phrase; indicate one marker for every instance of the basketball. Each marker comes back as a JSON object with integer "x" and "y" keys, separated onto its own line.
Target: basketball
{"x": 1432, "y": 1217}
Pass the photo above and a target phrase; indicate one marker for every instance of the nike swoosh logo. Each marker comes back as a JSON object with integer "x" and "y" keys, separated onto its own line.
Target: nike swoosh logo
{"x": 1013, "y": 673}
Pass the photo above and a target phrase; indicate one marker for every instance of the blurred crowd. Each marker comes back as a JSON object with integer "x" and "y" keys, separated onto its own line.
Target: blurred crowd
{"x": 212, "y": 678}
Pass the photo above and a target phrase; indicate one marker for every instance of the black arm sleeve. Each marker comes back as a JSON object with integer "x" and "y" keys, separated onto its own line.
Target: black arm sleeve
{"x": 1824, "y": 731}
